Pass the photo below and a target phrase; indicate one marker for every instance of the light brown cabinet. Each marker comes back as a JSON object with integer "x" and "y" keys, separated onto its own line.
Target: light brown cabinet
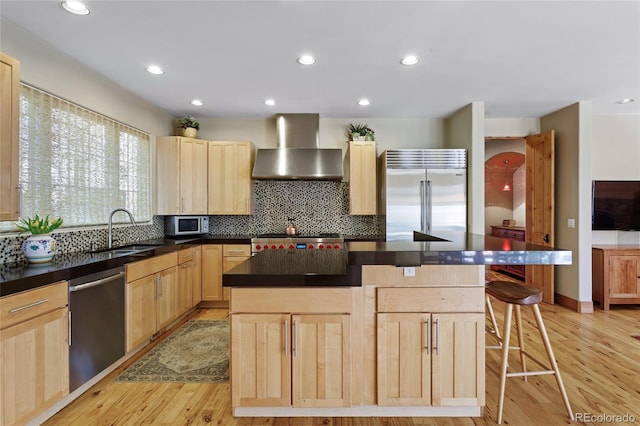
{"x": 216, "y": 259}
{"x": 229, "y": 177}
{"x": 181, "y": 170}
{"x": 9, "y": 137}
{"x": 616, "y": 275}
{"x": 285, "y": 360}
{"x": 34, "y": 352}
{"x": 152, "y": 292}
{"x": 362, "y": 178}
{"x": 189, "y": 274}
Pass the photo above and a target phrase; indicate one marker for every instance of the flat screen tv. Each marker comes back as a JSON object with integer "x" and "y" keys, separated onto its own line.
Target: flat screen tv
{"x": 616, "y": 205}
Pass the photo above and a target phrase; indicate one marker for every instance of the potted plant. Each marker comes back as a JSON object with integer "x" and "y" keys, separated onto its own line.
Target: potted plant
{"x": 189, "y": 126}
{"x": 40, "y": 246}
{"x": 359, "y": 132}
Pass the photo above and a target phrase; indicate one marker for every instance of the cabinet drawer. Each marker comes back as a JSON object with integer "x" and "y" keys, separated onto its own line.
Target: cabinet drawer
{"x": 515, "y": 235}
{"x": 499, "y": 232}
{"x": 30, "y": 304}
{"x": 137, "y": 270}
{"x": 430, "y": 299}
{"x": 186, "y": 255}
{"x": 236, "y": 250}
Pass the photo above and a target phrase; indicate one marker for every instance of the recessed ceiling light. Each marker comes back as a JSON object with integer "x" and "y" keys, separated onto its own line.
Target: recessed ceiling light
{"x": 75, "y": 7}
{"x": 410, "y": 60}
{"x": 269, "y": 102}
{"x": 626, "y": 100}
{"x": 196, "y": 102}
{"x": 363, "y": 102}
{"x": 155, "y": 69}
{"x": 306, "y": 60}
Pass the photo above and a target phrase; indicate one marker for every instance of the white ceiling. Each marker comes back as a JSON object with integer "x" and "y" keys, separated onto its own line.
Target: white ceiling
{"x": 521, "y": 58}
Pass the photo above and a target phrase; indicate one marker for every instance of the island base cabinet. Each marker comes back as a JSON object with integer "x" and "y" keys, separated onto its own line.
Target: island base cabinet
{"x": 282, "y": 360}
{"x": 430, "y": 359}
{"x": 34, "y": 361}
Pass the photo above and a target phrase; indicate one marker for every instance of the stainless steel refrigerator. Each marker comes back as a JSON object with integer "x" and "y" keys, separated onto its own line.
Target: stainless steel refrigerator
{"x": 424, "y": 190}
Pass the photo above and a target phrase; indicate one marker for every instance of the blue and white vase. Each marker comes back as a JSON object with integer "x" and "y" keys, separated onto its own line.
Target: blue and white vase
{"x": 39, "y": 248}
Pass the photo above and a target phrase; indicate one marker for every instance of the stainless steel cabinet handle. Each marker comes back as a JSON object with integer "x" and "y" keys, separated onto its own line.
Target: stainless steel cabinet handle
{"x": 286, "y": 336}
{"x": 19, "y": 188}
{"x": 30, "y": 305}
{"x": 236, "y": 252}
{"x": 69, "y": 328}
{"x": 187, "y": 265}
{"x": 160, "y": 285}
{"x": 96, "y": 282}
{"x": 295, "y": 338}
{"x": 428, "y": 342}
{"x": 437, "y": 344}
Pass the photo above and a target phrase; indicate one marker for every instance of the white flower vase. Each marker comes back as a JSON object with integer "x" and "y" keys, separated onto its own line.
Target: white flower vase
{"x": 39, "y": 248}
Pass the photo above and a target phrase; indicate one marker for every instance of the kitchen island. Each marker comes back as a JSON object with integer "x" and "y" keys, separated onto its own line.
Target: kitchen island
{"x": 376, "y": 329}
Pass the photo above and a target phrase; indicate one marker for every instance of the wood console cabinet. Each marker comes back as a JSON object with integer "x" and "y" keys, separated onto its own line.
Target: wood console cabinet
{"x": 512, "y": 233}
{"x": 615, "y": 275}
{"x": 34, "y": 352}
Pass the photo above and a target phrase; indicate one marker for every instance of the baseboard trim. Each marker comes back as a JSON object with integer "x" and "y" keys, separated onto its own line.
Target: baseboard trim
{"x": 574, "y": 305}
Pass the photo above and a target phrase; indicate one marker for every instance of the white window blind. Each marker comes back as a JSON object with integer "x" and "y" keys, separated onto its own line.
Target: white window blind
{"x": 80, "y": 165}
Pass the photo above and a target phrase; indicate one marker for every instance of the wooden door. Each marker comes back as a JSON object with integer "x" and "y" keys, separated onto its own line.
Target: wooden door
{"x": 193, "y": 176}
{"x": 166, "y": 297}
{"x": 540, "y": 184}
{"x": 229, "y": 177}
{"x": 261, "y": 367}
{"x": 457, "y": 359}
{"x": 321, "y": 360}
{"x": 34, "y": 366}
{"x": 140, "y": 310}
{"x": 624, "y": 277}
{"x": 362, "y": 178}
{"x": 9, "y": 136}
{"x": 404, "y": 359}
{"x": 211, "y": 272}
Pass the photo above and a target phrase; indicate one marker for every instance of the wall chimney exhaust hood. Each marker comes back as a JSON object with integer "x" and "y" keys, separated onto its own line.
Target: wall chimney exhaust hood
{"x": 298, "y": 154}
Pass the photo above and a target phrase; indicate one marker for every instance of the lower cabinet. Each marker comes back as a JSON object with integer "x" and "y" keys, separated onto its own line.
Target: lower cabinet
{"x": 232, "y": 256}
{"x": 152, "y": 294}
{"x": 283, "y": 360}
{"x": 616, "y": 275}
{"x": 216, "y": 259}
{"x": 189, "y": 279}
{"x": 34, "y": 352}
{"x": 430, "y": 358}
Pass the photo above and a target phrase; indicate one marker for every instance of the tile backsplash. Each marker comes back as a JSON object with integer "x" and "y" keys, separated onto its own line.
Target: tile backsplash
{"x": 317, "y": 206}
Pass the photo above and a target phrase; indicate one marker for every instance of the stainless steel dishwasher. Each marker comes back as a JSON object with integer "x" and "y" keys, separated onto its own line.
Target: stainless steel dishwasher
{"x": 96, "y": 304}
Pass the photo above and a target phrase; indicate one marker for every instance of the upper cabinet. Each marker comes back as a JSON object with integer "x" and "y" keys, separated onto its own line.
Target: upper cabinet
{"x": 9, "y": 136}
{"x": 362, "y": 178}
{"x": 230, "y": 164}
{"x": 181, "y": 168}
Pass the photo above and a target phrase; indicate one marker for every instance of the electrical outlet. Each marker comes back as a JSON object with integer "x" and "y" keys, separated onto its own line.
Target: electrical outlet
{"x": 409, "y": 271}
{"x": 571, "y": 223}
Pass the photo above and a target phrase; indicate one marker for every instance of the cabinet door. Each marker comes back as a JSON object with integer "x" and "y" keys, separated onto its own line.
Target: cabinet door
{"x": 166, "y": 297}
{"x": 34, "y": 366}
{"x": 193, "y": 176}
{"x": 230, "y": 262}
{"x": 9, "y": 136}
{"x": 624, "y": 276}
{"x": 321, "y": 360}
{"x": 229, "y": 178}
{"x": 261, "y": 367}
{"x": 185, "y": 286}
{"x": 140, "y": 310}
{"x": 457, "y": 359}
{"x": 211, "y": 272}
{"x": 404, "y": 366}
{"x": 196, "y": 289}
{"x": 362, "y": 178}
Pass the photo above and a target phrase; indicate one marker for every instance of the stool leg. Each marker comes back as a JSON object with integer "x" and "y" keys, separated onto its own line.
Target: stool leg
{"x": 552, "y": 358}
{"x": 519, "y": 327}
{"x": 505, "y": 358}
{"x": 492, "y": 317}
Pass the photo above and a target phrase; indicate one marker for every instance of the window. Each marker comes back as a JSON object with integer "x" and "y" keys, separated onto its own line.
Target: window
{"x": 78, "y": 164}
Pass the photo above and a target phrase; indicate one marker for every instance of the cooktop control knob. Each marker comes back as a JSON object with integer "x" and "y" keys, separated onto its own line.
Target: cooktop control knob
{"x": 273, "y": 246}
{"x": 291, "y": 246}
{"x": 336, "y": 246}
{"x": 329, "y": 246}
{"x": 320, "y": 246}
{"x": 310, "y": 246}
{"x": 258, "y": 246}
{"x": 280, "y": 246}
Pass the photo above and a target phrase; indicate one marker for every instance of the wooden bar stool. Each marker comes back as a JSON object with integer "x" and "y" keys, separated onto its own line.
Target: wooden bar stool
{"x": 515, "y": 294}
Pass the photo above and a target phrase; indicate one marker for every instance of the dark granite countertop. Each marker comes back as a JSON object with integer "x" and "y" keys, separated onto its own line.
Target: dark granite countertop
{"x": 342, "y": 267}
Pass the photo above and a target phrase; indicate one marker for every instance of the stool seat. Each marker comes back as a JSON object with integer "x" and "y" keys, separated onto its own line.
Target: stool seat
{"x": 514, "y": 293}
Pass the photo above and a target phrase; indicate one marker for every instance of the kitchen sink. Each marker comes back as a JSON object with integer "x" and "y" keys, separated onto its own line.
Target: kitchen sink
{"x": 127, "y": 250}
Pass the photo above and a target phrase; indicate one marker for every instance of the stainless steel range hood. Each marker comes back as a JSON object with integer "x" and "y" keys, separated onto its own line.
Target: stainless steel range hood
{"x": 298, "y": 155}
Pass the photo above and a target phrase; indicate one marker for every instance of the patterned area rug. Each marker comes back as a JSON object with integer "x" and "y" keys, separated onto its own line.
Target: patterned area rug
{"x": 196, "y": 352}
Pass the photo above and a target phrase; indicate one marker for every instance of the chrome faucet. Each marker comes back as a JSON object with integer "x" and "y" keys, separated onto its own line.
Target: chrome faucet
{"x": 110, "y": 227}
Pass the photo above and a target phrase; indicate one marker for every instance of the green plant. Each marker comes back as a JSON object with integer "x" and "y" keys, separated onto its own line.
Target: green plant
{"x": 188, "y": 121}
{"x": 358, "y": 129}
{"x": 38, "y": 225}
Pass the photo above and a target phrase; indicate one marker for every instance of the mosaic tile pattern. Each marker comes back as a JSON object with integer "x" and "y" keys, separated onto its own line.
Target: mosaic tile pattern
{"x": 70, "y": 241}
{"x": 317, "y": 206}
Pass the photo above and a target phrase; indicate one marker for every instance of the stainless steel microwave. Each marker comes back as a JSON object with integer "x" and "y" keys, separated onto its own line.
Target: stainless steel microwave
{"x": 186, "y": 225}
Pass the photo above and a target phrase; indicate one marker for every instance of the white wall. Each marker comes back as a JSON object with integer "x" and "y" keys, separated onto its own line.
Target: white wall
{"x": 511, "y": 126}
{"x": 615, "y": 155}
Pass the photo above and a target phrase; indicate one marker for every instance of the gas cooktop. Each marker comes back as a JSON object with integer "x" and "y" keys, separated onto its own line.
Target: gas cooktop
{"x": 321, "y": 235}
{"x": 291, "y": 242}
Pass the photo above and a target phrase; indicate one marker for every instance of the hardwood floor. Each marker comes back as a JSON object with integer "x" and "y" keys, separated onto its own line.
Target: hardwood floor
{"x": 599, "y": 362}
